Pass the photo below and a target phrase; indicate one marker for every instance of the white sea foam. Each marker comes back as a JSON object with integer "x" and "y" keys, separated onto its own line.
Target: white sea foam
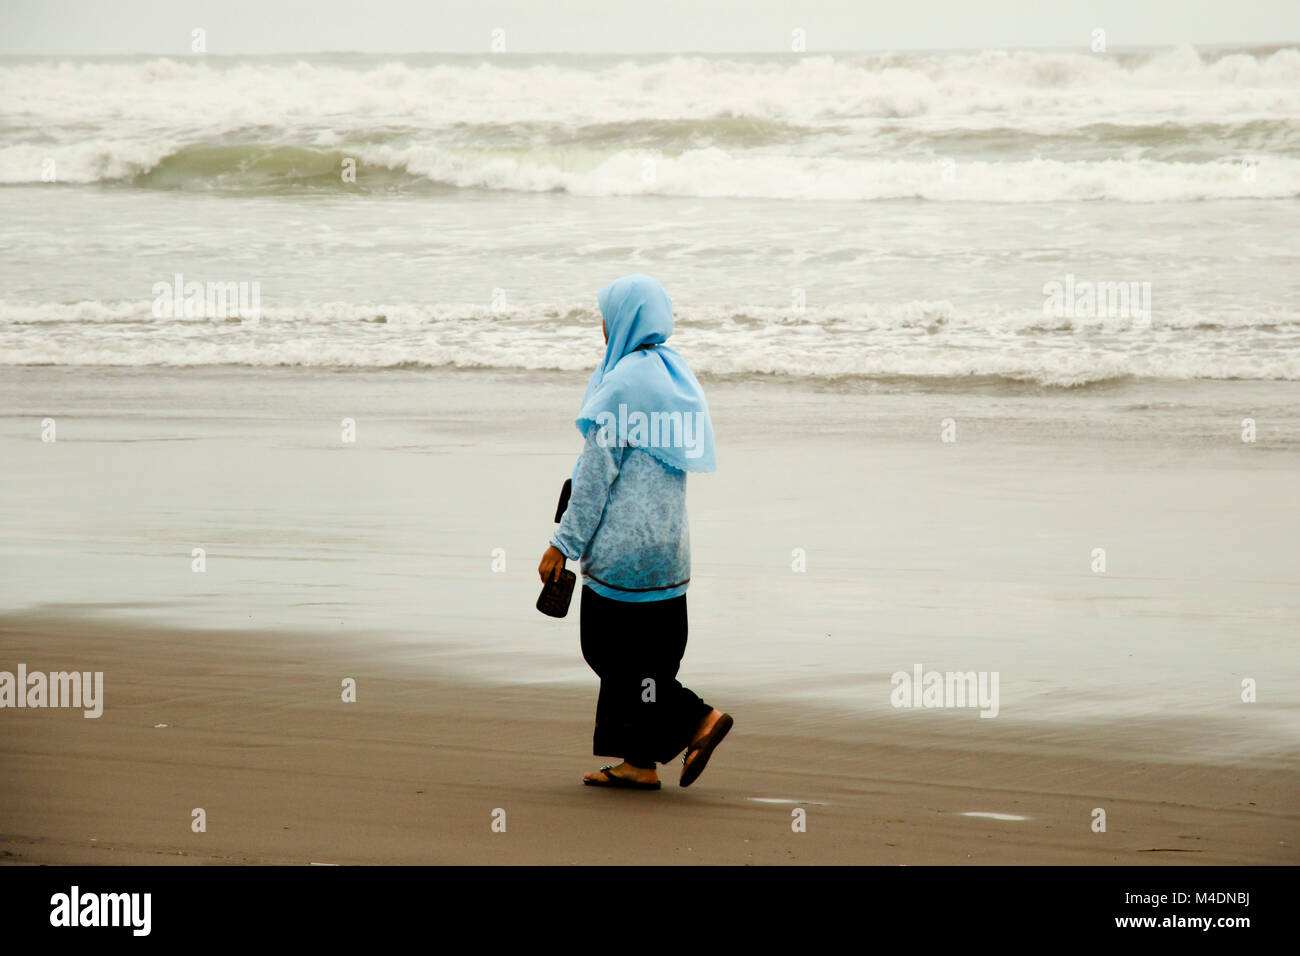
{"x": 1019, "y": 126}
{"x": 747, "y": 181}
{"x": 809, "y": 89}
{"x": 932, "y": 340}
{"x": 716, "y": 173}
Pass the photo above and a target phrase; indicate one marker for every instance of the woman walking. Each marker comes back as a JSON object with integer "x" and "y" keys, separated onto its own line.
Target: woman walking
{"x": 646, "y": 423}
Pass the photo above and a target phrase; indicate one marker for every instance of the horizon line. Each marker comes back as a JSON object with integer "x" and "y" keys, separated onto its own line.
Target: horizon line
{"x": 1081, "y": 48}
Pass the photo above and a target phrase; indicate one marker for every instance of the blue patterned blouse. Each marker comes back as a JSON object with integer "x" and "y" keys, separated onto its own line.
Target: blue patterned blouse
{"x": 626, "y": 520}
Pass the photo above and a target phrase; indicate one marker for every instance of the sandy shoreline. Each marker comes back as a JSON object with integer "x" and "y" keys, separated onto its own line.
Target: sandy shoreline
{"x": 258, "y": 737}
{"x": 975, "y": 555}
{"x": 374, "y": 560}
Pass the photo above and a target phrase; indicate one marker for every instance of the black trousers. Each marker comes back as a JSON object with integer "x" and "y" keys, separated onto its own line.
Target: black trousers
{"x": 643, "y": 715}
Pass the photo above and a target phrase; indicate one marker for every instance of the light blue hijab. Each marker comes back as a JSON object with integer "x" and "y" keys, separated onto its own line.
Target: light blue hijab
{"x": 632, "y": 384}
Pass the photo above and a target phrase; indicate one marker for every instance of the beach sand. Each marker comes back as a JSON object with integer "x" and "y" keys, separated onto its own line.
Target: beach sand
{"x": 257, "y": 736}
{"x": 373, "y": 560}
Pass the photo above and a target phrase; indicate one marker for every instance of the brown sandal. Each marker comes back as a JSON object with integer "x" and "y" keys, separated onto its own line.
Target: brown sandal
{"x": 691, "y": 769}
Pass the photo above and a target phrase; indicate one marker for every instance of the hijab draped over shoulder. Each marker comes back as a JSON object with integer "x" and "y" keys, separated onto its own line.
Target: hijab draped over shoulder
{"x": 647, "y": 397}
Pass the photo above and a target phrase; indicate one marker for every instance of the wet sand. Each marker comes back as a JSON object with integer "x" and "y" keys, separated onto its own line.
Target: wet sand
{"x": 257, "y": 735}
{"x": 375, "y": 560}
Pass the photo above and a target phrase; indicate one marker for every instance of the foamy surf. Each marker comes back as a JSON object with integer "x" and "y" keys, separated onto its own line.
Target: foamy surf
{"x": 710, "y": 172}
{"x": 854, "y": 218}
{"x": 994, "y": 126}
{"x": 916, "y": 340}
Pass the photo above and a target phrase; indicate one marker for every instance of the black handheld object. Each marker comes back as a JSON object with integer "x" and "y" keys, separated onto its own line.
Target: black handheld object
{"x": 563, "y": 506}
{"x": 555, "y": 597}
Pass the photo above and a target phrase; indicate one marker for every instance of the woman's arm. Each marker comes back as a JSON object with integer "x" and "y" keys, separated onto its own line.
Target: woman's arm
{"x": 597, "y": 469}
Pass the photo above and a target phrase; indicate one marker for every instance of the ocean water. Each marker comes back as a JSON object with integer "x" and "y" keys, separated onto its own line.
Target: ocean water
{"x": 1054, "y": 218}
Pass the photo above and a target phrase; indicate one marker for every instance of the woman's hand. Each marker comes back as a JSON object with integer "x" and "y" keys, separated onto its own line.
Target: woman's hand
{"x": 552, "y": 564}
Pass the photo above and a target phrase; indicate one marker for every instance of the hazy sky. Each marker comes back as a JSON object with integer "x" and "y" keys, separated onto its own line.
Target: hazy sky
{"x": 621, "y": 26}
